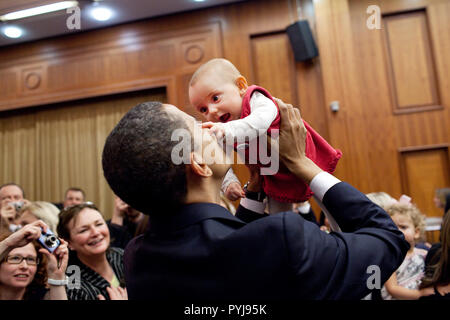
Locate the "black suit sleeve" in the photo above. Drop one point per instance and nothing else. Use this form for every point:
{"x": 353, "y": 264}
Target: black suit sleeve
{"x": 338, "y": 265}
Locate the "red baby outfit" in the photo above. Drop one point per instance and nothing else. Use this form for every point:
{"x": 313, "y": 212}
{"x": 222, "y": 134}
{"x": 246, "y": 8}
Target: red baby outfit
{"x": 284, "y": 186}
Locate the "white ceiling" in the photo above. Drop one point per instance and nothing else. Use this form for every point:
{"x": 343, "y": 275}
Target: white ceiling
{"x": 54, "y": 24}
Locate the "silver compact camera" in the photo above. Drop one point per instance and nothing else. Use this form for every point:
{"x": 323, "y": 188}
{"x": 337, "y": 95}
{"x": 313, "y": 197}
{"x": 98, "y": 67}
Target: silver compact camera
{"x": 49, "y": 241}
{"x": 17, "y": 205}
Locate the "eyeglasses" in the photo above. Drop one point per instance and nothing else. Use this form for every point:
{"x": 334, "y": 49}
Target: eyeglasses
{"x": 18, "y": 260}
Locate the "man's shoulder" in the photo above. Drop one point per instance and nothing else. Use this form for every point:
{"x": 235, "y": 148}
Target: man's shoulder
{"x": 274, "y": 223}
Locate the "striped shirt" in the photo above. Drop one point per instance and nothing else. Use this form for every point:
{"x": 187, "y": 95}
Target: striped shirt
{"x": 93, "y": 284}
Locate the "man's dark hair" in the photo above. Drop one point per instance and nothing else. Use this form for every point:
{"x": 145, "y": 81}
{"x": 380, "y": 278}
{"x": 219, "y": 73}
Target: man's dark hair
{"x": 137, "y": 160}
{"x": 13, "y": 184}
{"x": 75, "y": 189}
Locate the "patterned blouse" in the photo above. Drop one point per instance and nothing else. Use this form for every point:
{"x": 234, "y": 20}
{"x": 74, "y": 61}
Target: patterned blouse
{"x": 91, "y": 283}
{"x": 410, "y": 272}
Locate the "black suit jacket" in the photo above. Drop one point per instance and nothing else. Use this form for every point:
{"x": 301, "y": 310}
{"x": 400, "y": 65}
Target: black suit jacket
{"x": 203, "y": 252}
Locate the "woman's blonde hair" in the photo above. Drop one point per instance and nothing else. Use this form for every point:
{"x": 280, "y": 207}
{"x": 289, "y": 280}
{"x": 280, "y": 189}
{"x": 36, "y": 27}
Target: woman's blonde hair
{"x": 381, "y": 198}
{"x": 410, "y": 210}
{"x": 44, "y": 211}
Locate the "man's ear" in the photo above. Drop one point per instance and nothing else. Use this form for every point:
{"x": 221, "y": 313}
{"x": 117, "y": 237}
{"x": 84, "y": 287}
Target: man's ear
{"x": 199, "y": 167}
{"x": 242, "y": 85}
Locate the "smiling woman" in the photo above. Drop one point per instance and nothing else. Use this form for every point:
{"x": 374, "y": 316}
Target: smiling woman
{"x": 102, "y": 275}
{"x": 22, "y": 273}
{"x": 27, "y": 271}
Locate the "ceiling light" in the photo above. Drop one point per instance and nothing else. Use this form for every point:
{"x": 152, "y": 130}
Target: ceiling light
{"x": 12, "y": 32}
{"x": 101, "y": 13}
{"x": 38, "y": 10}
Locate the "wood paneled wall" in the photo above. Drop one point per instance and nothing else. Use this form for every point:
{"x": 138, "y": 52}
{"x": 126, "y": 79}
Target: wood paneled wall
{"x": 393, "y": 86}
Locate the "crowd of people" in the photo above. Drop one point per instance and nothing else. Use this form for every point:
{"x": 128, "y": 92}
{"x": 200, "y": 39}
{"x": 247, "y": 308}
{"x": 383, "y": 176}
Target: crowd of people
{"x": 174, "y": 233}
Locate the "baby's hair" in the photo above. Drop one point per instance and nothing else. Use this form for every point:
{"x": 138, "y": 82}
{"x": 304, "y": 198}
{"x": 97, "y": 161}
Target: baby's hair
{"x": 381, "y": 198}
{"x": 410, "y": 210}
{"x": 218, "y": 66}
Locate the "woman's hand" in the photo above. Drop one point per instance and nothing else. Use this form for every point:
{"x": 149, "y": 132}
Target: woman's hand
{"x": 115, "y": 294}
{"x": 25, "y": 235}
{"x": 57, "y": 261}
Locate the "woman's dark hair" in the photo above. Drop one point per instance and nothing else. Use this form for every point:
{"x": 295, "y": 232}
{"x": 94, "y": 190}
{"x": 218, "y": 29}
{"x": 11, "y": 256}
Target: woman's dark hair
{"x": 66, "y": 215}
{"x": 40, "y": 278}
{"x": 438, "y": 273}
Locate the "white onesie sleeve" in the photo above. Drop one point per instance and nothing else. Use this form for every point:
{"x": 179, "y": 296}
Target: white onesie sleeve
{"x": 263, "y": 112}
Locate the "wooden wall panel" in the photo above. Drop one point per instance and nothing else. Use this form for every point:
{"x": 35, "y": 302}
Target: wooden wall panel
{"x": 340, "y": 71}
{"x": 355, "y": 69}
{"x": 410, "y": 62}
{"x": 273, "y": 65}
{"x": 424, "y": 171}
{"x": 8, "y": 84}
{"x": 110, "y": 66}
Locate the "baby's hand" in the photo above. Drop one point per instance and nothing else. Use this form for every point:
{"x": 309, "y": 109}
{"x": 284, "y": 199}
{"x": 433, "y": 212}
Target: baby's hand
{"x": 218, "y": 129}
{"x": 234, "y": 191}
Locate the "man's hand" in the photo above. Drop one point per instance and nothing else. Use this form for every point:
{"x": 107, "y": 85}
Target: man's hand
{"x": 234, "y": 191}
{"x": 120, "y": 208}
{"x": 8, "y": 212}
{"x": 293, "y": 143}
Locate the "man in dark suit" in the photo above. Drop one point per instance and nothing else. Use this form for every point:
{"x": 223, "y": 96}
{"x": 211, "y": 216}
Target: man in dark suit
{"x": 195, "y": 249}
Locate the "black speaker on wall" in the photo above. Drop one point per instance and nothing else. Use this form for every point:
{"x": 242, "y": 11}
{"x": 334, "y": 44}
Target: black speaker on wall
{"x": 302, "y": 41}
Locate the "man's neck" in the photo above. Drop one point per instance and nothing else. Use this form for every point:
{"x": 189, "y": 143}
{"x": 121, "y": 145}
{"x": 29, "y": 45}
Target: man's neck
{"x": 203, "y": 190}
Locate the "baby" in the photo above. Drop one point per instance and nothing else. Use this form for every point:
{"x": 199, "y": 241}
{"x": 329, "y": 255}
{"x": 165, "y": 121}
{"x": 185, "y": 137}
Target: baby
{"x": 404, "y": 283}
{"x": 235, "y": 110}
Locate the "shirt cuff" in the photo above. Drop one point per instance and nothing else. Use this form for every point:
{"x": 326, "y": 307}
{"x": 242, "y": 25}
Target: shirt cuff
{"x": 253, "y": 205}
{"x": 304, "y": 209}
{"x": 321, "y": 183}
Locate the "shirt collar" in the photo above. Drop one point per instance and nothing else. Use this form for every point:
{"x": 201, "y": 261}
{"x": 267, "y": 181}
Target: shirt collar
{"x": 191, "y": 214}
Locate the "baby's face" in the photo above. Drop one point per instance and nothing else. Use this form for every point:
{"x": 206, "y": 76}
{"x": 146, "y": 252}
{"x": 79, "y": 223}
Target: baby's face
{"x": 218, "y": 100}
{"x": 406, "y": 225}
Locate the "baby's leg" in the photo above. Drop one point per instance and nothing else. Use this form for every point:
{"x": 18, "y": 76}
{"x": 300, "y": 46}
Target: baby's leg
{"x": 275, "y": 206}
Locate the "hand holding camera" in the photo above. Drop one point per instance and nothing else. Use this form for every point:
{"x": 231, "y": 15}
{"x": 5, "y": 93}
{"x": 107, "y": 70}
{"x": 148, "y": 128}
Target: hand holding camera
{"x": 57, "y": 257}
{"x": 25, "y": 235}
{"x": 10, "y": 209}
{"x": 48, "y": 240}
